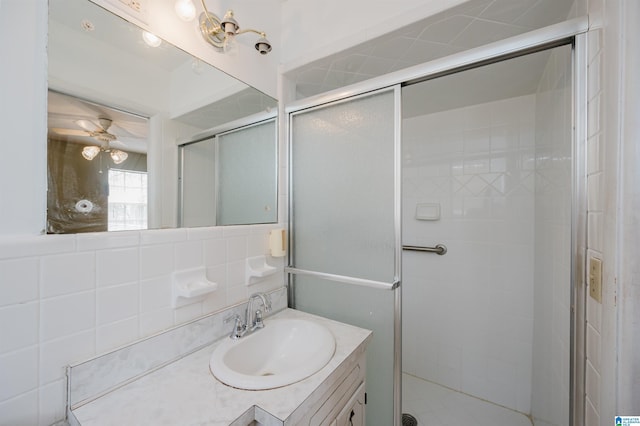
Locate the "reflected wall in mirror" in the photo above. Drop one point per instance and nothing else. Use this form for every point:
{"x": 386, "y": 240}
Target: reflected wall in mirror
{"x": 227, "y": 177}
{"x": 111, "y": 90}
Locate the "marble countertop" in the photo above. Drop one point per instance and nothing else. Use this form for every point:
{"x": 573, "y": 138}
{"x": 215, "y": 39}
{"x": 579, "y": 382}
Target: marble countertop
{"x": 186, "y": 393}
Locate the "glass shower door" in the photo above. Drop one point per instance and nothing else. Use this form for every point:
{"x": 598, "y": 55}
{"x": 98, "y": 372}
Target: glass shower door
{"x": 345, "y": 227}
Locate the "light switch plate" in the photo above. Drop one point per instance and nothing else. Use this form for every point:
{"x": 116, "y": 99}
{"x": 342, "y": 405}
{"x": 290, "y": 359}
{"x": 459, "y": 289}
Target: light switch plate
{"x": 595, "y": 278}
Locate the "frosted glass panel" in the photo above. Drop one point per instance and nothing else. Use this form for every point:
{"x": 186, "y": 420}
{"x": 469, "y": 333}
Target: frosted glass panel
{"x": 198, "y": 184}
{"x": 247, "y": 178}
{"x": 363, "y": 307}
{"x": 343, "y": 188}
{"x": 343, "y": 183}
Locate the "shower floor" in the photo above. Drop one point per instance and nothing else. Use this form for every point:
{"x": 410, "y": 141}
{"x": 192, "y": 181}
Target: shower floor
{"x": 435, "y": 405}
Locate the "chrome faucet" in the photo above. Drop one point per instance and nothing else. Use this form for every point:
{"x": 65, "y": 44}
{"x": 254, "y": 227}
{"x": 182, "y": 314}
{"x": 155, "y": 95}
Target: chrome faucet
{"x": 252, "y": 319}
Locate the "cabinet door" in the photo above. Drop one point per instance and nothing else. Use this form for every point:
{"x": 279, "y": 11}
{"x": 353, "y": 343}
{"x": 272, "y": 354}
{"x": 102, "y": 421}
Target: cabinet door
{"x": 353, "y": 412}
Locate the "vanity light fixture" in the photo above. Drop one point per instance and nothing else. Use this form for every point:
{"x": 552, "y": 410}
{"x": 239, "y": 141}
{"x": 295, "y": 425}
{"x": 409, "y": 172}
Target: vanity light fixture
{"x": 220, "y": 33}
{"x": 186, "y": 10}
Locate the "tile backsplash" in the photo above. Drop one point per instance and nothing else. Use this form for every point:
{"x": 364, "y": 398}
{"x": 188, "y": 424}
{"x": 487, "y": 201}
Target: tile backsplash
{"x": 67, "y": 298}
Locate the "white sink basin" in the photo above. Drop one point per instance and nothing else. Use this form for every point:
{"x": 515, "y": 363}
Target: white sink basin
{"x": 285, "y": 351}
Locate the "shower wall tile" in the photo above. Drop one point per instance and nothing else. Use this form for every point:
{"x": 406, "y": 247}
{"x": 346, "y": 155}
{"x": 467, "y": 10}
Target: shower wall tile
{"x": 68, "y": 298}
{"x": 595, "y": 220}
{"x": 551, "y": 292}
{"x": 470, "y": 162}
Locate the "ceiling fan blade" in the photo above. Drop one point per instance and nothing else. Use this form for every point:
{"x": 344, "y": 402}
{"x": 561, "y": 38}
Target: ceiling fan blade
{"x": 88, "y": 125}
{"x": 70, "y": 132}
{"x": 129, "y": 129}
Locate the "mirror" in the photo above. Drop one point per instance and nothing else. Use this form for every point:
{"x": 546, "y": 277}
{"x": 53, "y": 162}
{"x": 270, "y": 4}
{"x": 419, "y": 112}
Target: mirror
{"x": 237, "y": 163}
{"x": 117, "y": 111}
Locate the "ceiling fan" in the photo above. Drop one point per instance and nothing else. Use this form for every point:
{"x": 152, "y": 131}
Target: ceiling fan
{"x": 99, "y": 131}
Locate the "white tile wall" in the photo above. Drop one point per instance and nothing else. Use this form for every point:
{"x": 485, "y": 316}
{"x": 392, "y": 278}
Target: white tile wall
{"x": 468, "y": 315}
{"x": 595, "y": 222}
{"x": 552, "y": 291}
{"x": 68, "y": 298}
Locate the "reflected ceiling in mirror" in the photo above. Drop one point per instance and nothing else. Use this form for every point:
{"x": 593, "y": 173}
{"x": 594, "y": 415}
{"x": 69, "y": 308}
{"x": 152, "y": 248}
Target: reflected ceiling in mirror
{"x": 111, "y": 89}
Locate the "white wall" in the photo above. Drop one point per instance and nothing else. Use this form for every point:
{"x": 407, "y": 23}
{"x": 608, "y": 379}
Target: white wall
{"x": 23, "y": 116}
{"x": 613, "y": 382}
{"x": 62, "y": 298}
{"x": 468, "y": 315}
{"x": 66, "y": 298}
{"x": 160, "y": 18}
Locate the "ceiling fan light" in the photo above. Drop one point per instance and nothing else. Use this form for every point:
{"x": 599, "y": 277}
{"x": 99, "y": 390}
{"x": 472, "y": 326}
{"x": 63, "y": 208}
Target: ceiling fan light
{"x": 118, "y": 156}
{"x": 90, "y": 152}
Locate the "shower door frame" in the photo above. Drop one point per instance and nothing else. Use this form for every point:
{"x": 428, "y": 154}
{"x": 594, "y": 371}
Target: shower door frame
{"x": 571, "y": 32}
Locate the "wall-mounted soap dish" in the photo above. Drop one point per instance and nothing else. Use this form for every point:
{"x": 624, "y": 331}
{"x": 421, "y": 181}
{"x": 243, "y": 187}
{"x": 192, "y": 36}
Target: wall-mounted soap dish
{"x": 190, "y": 286}
{"x": 257, "y": 268}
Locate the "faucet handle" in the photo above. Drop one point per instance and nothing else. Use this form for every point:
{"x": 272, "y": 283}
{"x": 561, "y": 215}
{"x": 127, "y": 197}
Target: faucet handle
{"x": 257, "y": 322}
{"x": 238, "y": 328}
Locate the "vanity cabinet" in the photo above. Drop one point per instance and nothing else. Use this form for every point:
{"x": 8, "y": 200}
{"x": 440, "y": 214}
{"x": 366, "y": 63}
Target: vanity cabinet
{"x": 333, "y": 396}
{"x": 344, "y": 397}
{"x": 353, "y": 413}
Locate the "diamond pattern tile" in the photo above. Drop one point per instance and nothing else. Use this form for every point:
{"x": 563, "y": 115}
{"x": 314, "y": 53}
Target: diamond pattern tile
{"x": 471, "y": 24}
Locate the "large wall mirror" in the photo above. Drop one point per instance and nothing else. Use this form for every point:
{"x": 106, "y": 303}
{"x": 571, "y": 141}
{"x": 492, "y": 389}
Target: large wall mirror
{"x": 120, "y": 104}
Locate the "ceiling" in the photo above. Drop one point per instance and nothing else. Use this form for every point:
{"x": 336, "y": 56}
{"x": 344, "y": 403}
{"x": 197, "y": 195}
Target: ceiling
{"x": 107, "y": 28}
{"x": 65, "y": 112}
{"x": 471, "y": 24}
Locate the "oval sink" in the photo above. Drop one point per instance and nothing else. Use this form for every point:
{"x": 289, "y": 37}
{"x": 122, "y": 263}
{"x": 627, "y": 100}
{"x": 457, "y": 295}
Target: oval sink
{"x": 285, "y": 351}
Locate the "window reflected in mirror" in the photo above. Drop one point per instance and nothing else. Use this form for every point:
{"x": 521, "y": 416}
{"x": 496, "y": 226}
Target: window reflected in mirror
{"x": 90, "y": 147}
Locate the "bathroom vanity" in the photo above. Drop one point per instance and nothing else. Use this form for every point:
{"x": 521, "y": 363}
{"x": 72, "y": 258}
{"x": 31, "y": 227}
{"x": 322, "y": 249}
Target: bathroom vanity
{"x": 185, "y": 392}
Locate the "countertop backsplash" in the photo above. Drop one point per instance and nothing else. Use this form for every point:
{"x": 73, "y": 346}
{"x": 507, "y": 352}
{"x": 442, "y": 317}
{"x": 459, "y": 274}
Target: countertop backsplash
{"x": 97, "y": 376}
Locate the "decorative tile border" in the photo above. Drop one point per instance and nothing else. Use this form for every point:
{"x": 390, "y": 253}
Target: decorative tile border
{"x": 92, "y": 378}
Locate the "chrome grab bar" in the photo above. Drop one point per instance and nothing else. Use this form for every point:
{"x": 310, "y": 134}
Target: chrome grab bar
{"x": 439, "y": 249}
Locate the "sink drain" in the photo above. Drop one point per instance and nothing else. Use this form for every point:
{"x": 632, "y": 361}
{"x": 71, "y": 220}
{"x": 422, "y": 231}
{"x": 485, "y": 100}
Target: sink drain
{"x": 409, "y": 420}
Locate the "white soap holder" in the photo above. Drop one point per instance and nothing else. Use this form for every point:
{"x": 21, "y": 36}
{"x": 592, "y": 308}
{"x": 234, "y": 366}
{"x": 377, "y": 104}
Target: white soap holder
{"x": 428, "y": 211}
{"x": 190, "y": 286}
{"x": 257, "y": 268}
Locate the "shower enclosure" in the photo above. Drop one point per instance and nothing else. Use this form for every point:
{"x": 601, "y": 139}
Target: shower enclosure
{"x": 479, "y": 153}
{"x": 487, "y": 171}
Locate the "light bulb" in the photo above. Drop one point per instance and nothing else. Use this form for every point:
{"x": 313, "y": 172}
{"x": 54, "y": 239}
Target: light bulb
{"x": 185, "y": 10}
{"x": 151, "y": 39}
{"x": 90, "y": 152}
{"x": 118, "y": 156}
{"x": 230, "y": 45}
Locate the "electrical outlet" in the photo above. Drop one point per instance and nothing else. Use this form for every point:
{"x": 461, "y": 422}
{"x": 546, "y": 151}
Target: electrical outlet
{"x": 595, "y": 278}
